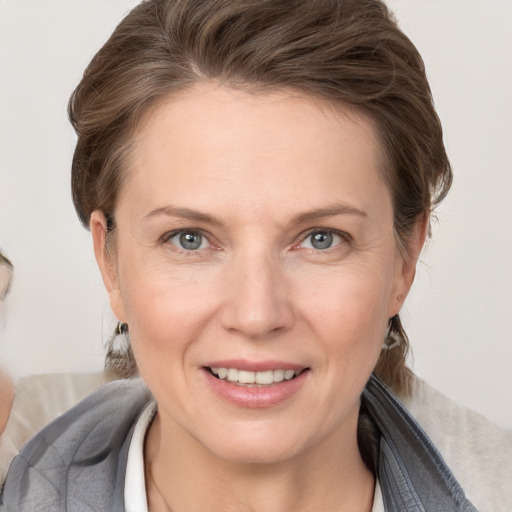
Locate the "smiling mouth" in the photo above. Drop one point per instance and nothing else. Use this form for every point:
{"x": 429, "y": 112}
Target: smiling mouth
{"x": 254, "y": 379}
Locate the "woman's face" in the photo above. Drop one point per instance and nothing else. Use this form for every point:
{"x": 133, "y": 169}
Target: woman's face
{"x": 254, "y": 243}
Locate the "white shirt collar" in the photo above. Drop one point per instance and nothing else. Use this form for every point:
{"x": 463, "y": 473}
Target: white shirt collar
{"x": 135, "y": 483}
{"x": 135, "y": 498}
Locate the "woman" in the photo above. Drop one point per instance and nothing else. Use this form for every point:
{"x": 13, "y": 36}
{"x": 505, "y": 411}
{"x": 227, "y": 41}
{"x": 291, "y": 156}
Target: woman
{"x": 258, "y": 179}
{"x": 6, "y": 391}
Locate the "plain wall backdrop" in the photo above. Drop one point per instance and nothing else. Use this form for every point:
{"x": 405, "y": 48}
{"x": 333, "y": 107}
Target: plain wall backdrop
{"x": 459, "y": 314}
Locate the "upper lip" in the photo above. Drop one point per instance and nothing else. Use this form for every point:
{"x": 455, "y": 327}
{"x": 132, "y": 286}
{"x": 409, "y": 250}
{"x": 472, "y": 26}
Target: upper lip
{"x": 255, "y": 366}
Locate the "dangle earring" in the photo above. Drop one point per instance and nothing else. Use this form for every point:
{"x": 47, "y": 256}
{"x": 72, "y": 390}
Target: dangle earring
{"x": 119, "y": 340}
{"x": 121, "y": 329}
{"x": 120, "y": 361}
{"x": 391, "y": 340}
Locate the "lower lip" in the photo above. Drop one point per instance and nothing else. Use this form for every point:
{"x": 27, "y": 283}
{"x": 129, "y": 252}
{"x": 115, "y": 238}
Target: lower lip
{"x": 256, "y": 397}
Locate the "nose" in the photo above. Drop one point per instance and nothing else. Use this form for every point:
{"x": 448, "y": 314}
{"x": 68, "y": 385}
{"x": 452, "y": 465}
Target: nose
{"x": 258, "y": 301}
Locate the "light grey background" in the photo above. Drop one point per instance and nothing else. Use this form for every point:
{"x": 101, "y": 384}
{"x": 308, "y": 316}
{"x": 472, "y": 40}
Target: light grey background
{"x": 459, "y": 312}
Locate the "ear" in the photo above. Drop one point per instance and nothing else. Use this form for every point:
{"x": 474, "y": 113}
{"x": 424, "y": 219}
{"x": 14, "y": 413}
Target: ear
{"x": 106, "y": 263}
{"x": 406, "y": 264}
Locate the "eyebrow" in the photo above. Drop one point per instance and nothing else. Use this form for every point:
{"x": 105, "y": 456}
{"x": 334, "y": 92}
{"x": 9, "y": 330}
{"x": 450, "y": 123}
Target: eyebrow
{"x": 185, "y": 213}
{"x": 300, "y": 218}
{"x": 330, "y": 211}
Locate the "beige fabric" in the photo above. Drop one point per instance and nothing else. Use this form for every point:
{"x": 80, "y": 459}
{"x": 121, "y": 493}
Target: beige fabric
{"x": 478, "y": 452}
{"x": 38, "y": 400}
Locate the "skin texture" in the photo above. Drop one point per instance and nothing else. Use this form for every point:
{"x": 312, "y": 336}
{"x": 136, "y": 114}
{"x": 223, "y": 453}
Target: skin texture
{"x": 255, "y": 174}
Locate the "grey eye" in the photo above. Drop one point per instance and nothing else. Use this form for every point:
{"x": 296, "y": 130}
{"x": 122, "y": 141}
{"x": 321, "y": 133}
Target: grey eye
{"x": 189, "y": 240}
{"x": 321, "y": 240}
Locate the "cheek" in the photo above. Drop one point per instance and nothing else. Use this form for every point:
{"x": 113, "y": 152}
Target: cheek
{"x": 165, "y": 309}
{"x": 349, "y": 312}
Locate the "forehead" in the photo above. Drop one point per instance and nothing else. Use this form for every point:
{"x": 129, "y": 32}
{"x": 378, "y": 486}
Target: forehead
{"x": 240, "y": 112}
{"x": 262, "y": 147}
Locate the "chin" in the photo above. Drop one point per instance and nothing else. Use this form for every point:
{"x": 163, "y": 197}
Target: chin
{"x": 270, "y": 447}
{"x": 256, "y": 454}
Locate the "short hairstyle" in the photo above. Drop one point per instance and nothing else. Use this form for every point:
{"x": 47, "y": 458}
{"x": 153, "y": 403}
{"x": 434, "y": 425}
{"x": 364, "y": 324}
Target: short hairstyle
{"x": 348, "y": 52}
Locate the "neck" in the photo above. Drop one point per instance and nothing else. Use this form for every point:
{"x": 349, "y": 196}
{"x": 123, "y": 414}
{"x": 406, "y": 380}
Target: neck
{"x": 182, "y": 475}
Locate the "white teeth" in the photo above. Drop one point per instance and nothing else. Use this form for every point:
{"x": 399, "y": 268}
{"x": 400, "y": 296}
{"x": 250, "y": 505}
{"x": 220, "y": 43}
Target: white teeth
{"x": 245, "y": 377}
{"x": 278, "y": 375}
{"x": 288, "y": 374}
{"x": 265, "y": 377}
{"x": 232, "y": 374}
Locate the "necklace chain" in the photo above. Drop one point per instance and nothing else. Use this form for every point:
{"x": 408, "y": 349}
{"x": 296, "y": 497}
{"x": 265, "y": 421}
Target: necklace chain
{"x": 155, "y": 485}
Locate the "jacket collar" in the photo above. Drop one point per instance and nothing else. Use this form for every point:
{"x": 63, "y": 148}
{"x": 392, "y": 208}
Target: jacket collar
{"x": 412, "y": 474}
{"x": 78, "y": 462}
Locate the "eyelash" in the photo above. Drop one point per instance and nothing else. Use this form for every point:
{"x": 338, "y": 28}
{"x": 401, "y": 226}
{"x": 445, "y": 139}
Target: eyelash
{"x": 166, "y": 239}
{"x": 344, "y": 237}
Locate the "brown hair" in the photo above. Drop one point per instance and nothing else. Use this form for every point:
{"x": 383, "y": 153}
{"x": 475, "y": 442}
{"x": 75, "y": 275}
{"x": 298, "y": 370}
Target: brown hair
{"x": 348, "y": 52}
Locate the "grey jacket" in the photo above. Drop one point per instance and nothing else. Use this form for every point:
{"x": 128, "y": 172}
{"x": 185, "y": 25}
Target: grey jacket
{"x": 78, "y": 462}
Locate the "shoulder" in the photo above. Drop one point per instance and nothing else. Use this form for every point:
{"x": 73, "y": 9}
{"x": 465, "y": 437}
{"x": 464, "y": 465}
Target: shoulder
{"x": 76, "y": 460}
{"x": 41, "y": 398}
{"x": 38, "y": 400}
{"x": 478, "y": 452}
